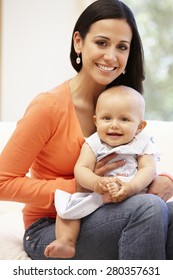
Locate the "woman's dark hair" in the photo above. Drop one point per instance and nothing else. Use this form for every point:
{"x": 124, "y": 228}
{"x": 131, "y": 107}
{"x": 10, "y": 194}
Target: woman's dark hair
{"x": 114, "y": 9}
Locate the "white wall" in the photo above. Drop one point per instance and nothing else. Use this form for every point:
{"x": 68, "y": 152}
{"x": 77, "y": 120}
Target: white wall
{"x": 36, "y": 39}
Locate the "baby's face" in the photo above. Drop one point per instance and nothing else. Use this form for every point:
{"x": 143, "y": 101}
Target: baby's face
{"x": 117, "y": 119}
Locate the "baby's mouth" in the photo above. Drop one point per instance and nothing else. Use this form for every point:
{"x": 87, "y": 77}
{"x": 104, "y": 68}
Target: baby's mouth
{"x": 114, "y": 134}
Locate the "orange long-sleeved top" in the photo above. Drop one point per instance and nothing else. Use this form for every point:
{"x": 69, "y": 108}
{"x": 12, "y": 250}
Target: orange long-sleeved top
{"x": 46, "y": 141}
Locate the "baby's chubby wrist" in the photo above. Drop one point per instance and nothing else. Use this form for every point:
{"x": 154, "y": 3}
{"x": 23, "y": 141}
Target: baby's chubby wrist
{"x": 100, "y": 185}
{"x": 96, "y": 185}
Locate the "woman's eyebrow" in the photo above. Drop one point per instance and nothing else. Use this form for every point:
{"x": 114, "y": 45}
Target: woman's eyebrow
{"x": 107, "y": 38}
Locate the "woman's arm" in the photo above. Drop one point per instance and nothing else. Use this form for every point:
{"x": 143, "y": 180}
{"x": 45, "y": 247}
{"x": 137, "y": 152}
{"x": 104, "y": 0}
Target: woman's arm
{"x": 33, "y": 132}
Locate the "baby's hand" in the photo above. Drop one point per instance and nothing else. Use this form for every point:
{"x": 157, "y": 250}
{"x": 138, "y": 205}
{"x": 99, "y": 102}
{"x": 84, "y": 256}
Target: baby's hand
{"x": 113, "y": 188}
{"x": 101, "y": 186}
{"x": 125, "y": 191}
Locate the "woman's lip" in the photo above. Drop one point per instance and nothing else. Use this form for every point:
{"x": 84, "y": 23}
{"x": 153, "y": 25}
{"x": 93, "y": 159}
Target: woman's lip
{"x": 105, "y": 67}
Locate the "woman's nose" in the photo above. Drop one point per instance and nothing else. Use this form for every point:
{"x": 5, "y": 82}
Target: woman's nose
{"x": 110, "y": 55}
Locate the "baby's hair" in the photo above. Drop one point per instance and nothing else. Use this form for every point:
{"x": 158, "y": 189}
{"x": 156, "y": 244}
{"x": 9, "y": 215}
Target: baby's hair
{"x": 126, "y": 92}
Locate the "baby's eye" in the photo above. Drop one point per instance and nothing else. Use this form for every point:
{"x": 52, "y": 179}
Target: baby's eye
{"x": 106, "y": 118}
{"x": 124, "y": 119}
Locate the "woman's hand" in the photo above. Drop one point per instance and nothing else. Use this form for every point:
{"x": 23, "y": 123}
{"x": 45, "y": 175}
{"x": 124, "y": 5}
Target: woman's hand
{"x": 79, "y": 188}
{"x": 102, "y": 166}
{"x": 162, "y": 186}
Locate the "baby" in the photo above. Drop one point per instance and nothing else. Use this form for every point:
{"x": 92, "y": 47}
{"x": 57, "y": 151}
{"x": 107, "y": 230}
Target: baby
{"x": 119, "y": 119}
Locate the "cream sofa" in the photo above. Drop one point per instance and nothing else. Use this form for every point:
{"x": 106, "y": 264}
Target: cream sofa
{"x": 11, "y": 224}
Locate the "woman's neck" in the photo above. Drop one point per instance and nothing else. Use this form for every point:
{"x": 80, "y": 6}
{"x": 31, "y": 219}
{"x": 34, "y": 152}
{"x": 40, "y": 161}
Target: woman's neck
{"x": 84, "y": 96}
{"x": 86, "y": 90}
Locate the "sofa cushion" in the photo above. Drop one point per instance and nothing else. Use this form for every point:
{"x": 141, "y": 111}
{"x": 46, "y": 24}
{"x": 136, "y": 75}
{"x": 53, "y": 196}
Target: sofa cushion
{"x": 11, "y": 231}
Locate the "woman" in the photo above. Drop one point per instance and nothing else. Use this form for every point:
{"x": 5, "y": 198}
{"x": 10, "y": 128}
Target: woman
{"x": 106, "y": 50}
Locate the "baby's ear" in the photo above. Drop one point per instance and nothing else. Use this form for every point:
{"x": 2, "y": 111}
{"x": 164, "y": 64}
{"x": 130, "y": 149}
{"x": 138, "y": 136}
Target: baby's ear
{"x": 95, "y": 120}
{"x": 141, "y": 126}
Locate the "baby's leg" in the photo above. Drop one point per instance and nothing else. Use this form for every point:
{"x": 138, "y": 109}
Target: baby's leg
{"x": 66, "y": 235}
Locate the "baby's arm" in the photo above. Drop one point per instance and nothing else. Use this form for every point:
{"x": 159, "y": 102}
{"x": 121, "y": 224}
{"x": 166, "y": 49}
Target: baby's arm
{"x": 145, "y": 175}
{"x": 84, "y": 172}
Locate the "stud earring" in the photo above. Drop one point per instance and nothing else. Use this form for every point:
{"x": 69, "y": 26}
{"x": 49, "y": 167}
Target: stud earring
{"x": 124, "y": 72}
{"x": 78, "y": 60}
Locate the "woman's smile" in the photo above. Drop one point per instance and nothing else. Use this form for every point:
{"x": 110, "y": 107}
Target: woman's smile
{"x": 106, "y": 68}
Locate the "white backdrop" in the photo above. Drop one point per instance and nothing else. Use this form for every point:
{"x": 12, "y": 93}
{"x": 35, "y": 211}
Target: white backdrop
{"x": 36, "y": 39}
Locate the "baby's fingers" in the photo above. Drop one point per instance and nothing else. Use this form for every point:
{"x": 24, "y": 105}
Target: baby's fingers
{"x": 113, "y": 188}
{"x": 102, "y": 188}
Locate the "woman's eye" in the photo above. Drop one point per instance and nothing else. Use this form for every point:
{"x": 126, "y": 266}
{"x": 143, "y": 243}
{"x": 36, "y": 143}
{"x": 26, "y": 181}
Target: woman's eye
{"x": 123, "y": 47}
{"x": 101, "y": 43}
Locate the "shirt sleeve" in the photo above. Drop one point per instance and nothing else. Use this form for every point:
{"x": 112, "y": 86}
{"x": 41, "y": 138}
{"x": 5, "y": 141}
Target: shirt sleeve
{"x": 31, "y": 134}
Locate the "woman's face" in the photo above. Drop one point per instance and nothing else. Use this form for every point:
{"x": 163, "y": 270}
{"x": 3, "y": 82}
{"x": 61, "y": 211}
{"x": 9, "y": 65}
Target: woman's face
{"x": 105, "y": 50}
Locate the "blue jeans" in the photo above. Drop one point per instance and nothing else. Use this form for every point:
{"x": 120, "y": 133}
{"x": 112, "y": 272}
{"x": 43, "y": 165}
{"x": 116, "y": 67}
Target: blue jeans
{"x": 169, "y": 245}
{"x": 135, "y": 229}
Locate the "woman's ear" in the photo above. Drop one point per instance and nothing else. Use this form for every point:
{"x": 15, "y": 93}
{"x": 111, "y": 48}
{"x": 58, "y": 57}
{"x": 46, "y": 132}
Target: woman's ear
{"x": 141, "y": 126}
{"x": 77, "y": 41}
